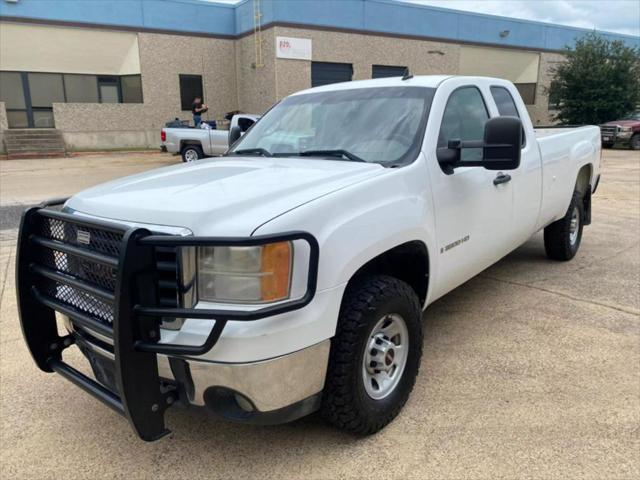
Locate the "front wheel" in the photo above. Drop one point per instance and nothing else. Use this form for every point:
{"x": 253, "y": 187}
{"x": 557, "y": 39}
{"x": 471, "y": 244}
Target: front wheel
{"x": 607, "y": 145}
{"x": 192, "y": 153}
{"x": 375, "y": 355}
{"x": 635, "y": 142}
{"x": 562, "y": 238}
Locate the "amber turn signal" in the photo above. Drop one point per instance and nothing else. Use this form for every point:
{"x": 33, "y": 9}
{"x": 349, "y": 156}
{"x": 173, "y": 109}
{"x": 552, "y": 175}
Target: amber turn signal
{"x": 276, "y": 271}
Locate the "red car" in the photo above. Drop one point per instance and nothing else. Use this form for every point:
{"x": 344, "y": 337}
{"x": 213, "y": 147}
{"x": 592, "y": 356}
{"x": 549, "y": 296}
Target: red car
{"x": 625, "y": 130}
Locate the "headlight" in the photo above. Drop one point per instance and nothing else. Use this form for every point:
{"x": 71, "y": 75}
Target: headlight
{"x": 245, "y": 274}
{"x": 625, "y": 129}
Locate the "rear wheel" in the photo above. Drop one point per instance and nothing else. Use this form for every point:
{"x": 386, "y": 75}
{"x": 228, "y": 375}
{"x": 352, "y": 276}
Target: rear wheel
{"x": 375, "y": 355}
{"x": 635, "y": 142}
{"x": 562, "y": 238}
{"x": 192, "y": 153}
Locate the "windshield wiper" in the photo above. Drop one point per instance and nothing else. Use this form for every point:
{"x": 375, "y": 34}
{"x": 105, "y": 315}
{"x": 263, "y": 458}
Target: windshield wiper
{"x": 331, "y": 153}
{"x": 252, "y": 151}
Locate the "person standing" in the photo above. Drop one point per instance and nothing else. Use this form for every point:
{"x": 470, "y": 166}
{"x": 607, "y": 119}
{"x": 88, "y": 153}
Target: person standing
{"x": 198, "y": 109}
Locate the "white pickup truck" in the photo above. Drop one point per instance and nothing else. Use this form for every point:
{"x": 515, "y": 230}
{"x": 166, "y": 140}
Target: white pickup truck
{"x": 290, "y": 275}
{"x": 198, "y": 143}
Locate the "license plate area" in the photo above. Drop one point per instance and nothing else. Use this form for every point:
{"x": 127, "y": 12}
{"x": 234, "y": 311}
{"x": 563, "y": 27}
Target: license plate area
{"x": 103, "y": 369}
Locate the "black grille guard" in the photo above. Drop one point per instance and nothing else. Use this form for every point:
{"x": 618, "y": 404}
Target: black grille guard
{"x": 142, "y": 397}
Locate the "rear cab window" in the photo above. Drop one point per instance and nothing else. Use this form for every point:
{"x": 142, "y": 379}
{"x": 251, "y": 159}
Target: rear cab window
{"x": 506, "y": 106}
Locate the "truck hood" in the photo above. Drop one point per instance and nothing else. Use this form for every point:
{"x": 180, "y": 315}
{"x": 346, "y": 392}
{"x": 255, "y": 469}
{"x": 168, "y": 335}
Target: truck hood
{"x": 220, "y": 196}
{"x": 624, "y": 123}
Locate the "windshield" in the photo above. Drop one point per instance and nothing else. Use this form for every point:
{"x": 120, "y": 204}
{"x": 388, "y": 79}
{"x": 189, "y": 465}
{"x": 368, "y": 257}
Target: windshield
{"x": 382, "y": 125}
{"x": 632, "y": 116}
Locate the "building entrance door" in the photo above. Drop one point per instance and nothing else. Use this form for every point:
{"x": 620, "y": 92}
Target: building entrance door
{"x": 29, "y": 98}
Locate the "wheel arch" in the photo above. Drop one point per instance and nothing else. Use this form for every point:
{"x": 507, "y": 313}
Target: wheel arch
{"x": 583, "y": 178}
{"x": 408, "y": 262}
{"x": 584, "y": 185}
{"x": 187, "y": 143}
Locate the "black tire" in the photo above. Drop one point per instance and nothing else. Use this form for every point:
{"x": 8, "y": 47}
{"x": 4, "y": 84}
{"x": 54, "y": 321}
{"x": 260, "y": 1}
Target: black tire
{"x": 191, "y": 153}
{"x": 557, "y": 237}
{"x": 607, "y": 145}
{"x": 345, "y": 402}
{"x": 635, "y": 142}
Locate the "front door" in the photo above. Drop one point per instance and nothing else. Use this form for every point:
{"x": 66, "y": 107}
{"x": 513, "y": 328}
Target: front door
{"x": 473, "y": 215}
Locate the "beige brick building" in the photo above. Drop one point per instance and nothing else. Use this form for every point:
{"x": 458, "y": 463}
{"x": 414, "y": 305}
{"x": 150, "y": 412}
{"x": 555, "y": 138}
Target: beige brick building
{"x": 112, "y": 80}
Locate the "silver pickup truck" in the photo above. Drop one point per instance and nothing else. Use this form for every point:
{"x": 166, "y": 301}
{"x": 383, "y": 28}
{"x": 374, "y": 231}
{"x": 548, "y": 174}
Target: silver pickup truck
{"x": 196, "y": 143}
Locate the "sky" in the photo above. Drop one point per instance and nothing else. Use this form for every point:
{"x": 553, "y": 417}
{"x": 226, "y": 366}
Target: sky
{"x": 621, "y": 16}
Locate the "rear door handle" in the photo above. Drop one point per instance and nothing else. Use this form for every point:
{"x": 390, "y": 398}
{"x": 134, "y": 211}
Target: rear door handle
{"x": 501, "y": 178}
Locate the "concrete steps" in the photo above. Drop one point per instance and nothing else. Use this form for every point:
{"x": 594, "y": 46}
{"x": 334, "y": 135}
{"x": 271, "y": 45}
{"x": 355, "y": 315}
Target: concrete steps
{"x": 34, "y": 143}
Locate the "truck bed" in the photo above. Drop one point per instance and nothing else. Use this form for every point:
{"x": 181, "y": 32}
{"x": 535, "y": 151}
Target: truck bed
{"x": 551, "y": 130}
{"x": 562, "y": 150}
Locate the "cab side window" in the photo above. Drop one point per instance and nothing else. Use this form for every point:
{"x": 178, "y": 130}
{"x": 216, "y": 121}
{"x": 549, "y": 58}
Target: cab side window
{"x": 504, "y": 102}
{"x": 245, "y": 123}
{"x": 506, "y": 105}
{"x": 464, "y": 118}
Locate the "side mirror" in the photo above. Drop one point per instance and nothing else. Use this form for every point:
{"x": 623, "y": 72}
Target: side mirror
{"x": 500, "y": 147}
{"x": 234, "y": 134}
{"x": 502, "y": 143}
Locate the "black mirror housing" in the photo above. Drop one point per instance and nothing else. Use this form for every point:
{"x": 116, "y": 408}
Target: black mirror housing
{"x": 234, "y": 134}
{"x": 500, "y": 147}
{"x": 502, "y": 143}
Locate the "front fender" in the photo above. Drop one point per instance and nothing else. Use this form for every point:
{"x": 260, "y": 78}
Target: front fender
{"x": 358, "y": 223}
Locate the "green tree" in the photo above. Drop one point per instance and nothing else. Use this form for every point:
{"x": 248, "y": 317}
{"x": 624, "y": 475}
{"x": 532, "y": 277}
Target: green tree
{"x": 598, "y": 82}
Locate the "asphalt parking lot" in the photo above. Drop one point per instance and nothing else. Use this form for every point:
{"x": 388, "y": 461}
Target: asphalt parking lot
{"x": 530, "y": 370}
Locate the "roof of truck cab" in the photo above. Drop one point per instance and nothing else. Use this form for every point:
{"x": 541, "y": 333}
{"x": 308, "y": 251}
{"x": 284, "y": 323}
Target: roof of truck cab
{"x": 430, "y": 81}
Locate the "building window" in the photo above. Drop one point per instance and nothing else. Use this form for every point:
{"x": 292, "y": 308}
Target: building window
{"x": 12, "y": 94}
{"x": 81, "y": 88}
{"x": 103, "y": 89}
{"x": 527, "y": 92}
{"x": 17, "y": 119}
{"x": 131, "y": 88}
{"x": 386, "y": 71}
{"x": 109, "y": 90}
{"x": 190, "y": 88}
{"x": 325, "y": 73}
{"x": 554, "y": 96}
{"x": 11, "y": 90}
{"x": 29, "y": 97}
{"x": 46, "y": 89}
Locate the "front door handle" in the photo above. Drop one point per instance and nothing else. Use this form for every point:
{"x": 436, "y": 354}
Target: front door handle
{"x": 502, "y": 178}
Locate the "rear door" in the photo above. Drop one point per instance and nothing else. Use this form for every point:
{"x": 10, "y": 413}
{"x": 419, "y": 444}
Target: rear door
{"x": 219, "y": 141}
{"x": 526, "y": 180}
{"x": 473, "y": 216}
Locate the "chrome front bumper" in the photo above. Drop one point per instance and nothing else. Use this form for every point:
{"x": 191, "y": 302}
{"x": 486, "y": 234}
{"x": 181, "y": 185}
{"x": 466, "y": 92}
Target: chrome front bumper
{"x": 624, "y": 135}
{"x": 615, "y": 134}
{"x": 257, "y": 387}
{"x": 268, "y": 385}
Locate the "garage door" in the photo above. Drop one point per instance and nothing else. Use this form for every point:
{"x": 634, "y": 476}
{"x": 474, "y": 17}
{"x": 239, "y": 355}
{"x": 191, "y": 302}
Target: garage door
{"x": 384, "y": 71}
{"x": 324, "y": 73}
